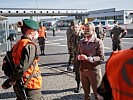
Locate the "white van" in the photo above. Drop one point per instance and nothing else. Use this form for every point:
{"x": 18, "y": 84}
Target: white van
{"x": 106, "y": 24}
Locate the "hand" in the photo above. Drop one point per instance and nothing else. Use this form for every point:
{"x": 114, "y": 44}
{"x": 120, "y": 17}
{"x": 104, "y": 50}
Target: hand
{"x": 82, "y": 57}
{"x": 6, "y": 84}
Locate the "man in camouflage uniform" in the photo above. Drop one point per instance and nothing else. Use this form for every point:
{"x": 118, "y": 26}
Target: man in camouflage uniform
{"x": 117, "y": 33}
{"x": 69, "y": 32}
{"x": 100, "y": 31}
{"x": 73, "y": 43}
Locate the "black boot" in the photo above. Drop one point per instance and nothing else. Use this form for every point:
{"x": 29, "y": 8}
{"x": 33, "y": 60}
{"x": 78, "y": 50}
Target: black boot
{"x": 77, "y": 90}
{"x": 43, "y": 52}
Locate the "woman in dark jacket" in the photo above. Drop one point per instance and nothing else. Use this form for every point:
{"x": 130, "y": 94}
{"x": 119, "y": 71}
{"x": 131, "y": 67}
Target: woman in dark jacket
{"x": 91, "y": 52}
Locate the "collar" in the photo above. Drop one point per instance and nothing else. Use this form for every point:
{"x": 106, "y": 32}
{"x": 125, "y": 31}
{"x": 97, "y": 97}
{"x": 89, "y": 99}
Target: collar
{"x": 92, "y": 39}
{"x": 25, "y": 37}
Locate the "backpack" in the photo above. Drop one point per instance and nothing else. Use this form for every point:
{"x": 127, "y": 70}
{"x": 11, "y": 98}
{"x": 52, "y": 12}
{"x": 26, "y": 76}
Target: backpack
{"x": 8, "y": 64}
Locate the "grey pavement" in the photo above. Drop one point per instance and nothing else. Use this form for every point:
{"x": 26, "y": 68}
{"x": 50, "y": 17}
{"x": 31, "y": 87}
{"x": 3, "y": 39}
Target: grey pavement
{"x": 57, "y": 85}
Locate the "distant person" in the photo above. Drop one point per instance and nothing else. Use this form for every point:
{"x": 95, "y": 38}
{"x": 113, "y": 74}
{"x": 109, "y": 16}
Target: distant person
{"x": 25, "y": 64}
{"x": 69, "y": 32}
{"x": 117, "y": 33}
{"x": 119, "y": 69}
{"x": 91, "y": 53}
{"x": 100, "y": 31}
{"x": 53, "y": 29}
{"x": 42, "y": 37}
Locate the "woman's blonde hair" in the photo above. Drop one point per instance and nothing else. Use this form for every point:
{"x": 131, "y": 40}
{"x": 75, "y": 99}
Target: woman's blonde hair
{"x": 89, "y": 27}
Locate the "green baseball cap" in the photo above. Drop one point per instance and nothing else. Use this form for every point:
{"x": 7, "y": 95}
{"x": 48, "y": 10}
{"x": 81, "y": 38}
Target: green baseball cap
{"x": 31, "y": 23}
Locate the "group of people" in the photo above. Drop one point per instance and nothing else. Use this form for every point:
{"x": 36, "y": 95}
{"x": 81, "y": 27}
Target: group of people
{"x": 86, "y": 50}
{"x": 86, "y": 53}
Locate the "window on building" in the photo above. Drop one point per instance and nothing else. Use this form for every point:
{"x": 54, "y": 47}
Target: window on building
{"x": 109, "y": 18}
{"x": 120, "y": 17}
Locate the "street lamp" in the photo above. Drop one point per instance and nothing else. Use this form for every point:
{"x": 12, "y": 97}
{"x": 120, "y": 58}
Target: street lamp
{"x": 37, "y": 4}
{"x": 37, "y": 8}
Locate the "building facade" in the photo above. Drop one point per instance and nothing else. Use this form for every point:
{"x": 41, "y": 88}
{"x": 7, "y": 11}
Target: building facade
{"x": 122, "y": 16}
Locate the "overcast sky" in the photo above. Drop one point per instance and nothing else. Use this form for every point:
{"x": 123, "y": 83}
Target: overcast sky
{"x": 68, "y": 4}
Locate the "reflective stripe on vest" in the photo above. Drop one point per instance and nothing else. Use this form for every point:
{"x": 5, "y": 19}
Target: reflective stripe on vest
{"x": 119, "y": 69}
{"x": 35, "y": 82}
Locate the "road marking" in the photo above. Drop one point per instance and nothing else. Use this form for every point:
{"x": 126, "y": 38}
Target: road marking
{"x": 56, "y": 36}
{"x": 57, "y": 40}
{"x": 127, "y": 42}
{"x": 107, "y": 48}
{"x": 53, "y": 44}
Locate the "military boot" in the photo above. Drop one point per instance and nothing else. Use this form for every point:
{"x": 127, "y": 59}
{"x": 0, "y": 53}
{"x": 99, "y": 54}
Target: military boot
{"x": 77, "y": 90}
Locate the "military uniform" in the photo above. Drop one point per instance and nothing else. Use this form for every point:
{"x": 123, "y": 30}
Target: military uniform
{"x": 116, "y": 34}
{"x": 69, "y": 32}
{"x": 25, "y": 65}
{"x": 73, "y": 43}
{"x": 100, "y": 32}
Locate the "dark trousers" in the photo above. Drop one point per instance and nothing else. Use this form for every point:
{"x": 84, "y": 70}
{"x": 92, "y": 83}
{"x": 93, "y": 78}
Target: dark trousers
{"x": 117, "y": 45}
{"x": 70, "y": 61}
{"x": 53, "y": 32}
{"x": 41, "y": 41}
{"x": 76, "y": 69}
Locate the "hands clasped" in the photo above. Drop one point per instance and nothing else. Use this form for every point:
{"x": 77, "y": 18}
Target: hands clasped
{"x": 84, "y": 57}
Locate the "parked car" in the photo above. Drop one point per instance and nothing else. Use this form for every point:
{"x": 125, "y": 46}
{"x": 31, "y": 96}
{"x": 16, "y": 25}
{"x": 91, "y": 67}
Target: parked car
{"x": 106, "y": 24}
{"x": 11, "y": 36}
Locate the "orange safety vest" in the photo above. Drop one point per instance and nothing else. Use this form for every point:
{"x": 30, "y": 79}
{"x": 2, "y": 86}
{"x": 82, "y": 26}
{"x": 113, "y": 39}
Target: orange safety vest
{"x": 119, "y": 70}
{"x": 35, "y": 81}
{"x": 42, "y": 31}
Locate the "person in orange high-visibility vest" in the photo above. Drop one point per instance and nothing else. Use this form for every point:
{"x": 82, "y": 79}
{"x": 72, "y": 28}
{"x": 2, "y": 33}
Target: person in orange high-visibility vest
{"x": 119, "y": 70}
{"x": 25, "y": 59}
{"x": 42, "y": 37}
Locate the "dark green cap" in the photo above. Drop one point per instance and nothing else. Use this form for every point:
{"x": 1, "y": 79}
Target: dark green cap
{"x": 31, "y": 23}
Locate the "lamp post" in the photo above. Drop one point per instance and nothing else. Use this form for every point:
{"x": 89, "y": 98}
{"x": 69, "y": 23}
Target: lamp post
{"x": 37, "y": 8}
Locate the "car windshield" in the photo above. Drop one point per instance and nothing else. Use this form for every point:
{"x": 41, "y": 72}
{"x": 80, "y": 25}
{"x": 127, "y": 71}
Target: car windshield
{"x": 95, "y": 23}
{"x": 103, "y": 22}
{"x": 111, "y": 22}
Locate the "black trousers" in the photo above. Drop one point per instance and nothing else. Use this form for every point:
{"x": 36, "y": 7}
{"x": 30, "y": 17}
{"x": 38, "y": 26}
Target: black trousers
{"x": 41, "y": 41}
{"x": 76, "y": 68}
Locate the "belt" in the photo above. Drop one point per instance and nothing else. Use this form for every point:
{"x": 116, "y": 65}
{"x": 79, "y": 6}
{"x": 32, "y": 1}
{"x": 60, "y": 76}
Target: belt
{"x": 85, "y": 70}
